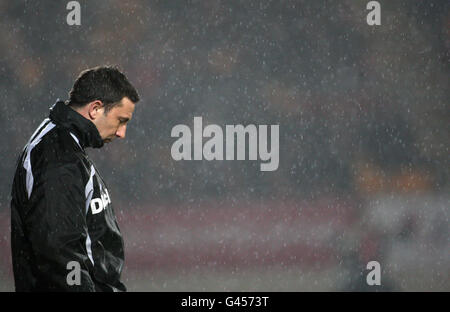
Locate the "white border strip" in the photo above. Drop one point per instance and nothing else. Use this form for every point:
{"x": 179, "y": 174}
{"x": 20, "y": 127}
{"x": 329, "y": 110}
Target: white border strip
{"x": 88, "y": 191}
{"x": 76, "y": 139}
{"x": 27, "y": 161}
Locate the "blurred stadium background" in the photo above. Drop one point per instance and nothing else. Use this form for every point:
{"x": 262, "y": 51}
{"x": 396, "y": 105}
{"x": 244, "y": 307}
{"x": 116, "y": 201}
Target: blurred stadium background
{"x": 364, "y": 137}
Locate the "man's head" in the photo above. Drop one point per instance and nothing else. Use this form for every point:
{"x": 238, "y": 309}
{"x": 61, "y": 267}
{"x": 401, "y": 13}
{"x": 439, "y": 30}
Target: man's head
{"x": 106, "y": 97}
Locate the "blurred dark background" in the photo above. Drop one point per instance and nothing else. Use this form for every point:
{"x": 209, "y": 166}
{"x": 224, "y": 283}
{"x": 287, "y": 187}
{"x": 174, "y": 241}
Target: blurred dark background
{"x": 364, "y": 136}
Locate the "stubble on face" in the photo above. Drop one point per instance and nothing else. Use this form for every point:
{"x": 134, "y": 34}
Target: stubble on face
{"x": 113, "y": 124}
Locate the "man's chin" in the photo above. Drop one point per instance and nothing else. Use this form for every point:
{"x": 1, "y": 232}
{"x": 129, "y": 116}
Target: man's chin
{"x": 107, "y": 140}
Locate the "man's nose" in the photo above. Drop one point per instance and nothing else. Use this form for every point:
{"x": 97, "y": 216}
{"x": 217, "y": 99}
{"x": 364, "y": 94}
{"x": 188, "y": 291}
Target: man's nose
{"x": 121, "y": 131}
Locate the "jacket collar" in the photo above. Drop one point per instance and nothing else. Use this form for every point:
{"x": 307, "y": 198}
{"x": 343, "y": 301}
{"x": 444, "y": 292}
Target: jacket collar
{"x": 82, "y": 128}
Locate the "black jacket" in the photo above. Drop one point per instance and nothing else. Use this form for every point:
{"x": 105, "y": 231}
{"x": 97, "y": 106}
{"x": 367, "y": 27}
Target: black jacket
{"x": 61, "y": 211}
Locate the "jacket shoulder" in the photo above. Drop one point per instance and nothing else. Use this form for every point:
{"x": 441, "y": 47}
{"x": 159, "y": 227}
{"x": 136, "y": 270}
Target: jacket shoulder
{"x": 58, "y": 148}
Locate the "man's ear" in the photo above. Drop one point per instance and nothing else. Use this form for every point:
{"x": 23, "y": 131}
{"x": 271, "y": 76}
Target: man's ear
{"x": 95, "y": 108}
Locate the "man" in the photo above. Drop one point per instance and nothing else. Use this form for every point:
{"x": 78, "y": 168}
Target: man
{"x": 64, "y": 233}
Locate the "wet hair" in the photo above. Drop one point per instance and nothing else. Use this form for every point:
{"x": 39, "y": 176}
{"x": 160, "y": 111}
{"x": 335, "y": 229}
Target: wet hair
{"x": 105, "y": 83}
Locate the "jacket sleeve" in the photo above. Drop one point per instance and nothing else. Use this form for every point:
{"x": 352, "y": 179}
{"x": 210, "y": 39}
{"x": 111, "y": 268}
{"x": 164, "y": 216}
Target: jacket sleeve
{"x": 57, "y": 229}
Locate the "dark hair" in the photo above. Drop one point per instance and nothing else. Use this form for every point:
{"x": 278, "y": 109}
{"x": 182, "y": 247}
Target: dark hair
{"x": 104, "y": 83}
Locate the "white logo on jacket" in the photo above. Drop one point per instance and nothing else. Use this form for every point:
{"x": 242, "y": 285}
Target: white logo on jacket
{"x": 98, "y": 204}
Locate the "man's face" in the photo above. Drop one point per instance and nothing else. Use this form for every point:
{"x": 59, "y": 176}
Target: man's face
{"x": 114, "y": 123}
